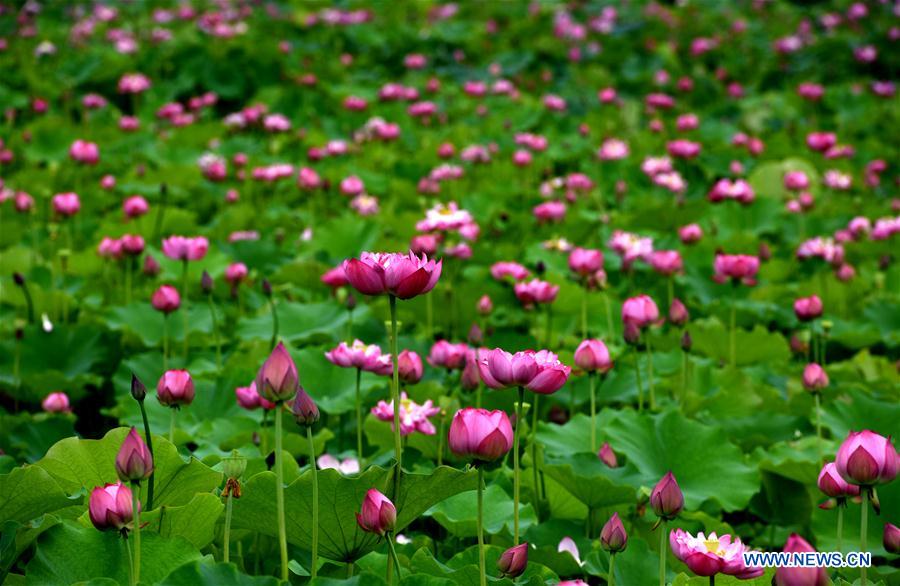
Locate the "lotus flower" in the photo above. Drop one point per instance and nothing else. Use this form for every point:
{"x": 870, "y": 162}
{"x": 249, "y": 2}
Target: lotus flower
{"x": 707, "y": 556}
{"x": 166, "y": 299}
{"x": 378, "y": 514}
{"x": 134, "y": 461}
{"x": 110, "y": 507}
{"x": 358, "y": 355}
{"x": 480, "y": 435}
{"x": 866, "y": 458}
{"x": 57, "y": 402}
{"x": 541, "y": 372}
{"x": 513, "y": 561}
{"x": 401, "y": 275}
{"x": 808, "y": 308}
{"x": 278, "y": 379}
{"x": 640, "y": 311}
{"x": 175, "y": 388}
{"x": 413, "y": 417}
{"x": 184, "y": 248}
{"x": 613, "y": 537}
{"x": 667, "y": 500}
{"x": 785, "y": 576}
{"x": 593, "y": 356}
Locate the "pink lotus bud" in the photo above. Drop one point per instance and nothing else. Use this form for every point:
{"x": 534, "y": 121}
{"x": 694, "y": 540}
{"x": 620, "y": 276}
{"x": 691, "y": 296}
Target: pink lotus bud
{"x": 789, "y": 576}
{"x": 175, "y": 388}
{"x": 666, "y": 262}
{"x": 832, "y": 484}
{"x": 135, "y": 206}
{"x": 631, "y": 333}
{"x": 235, "y": 273}
{"x": 891, "y": 539}
{"x": 583, "y": 261}
{"x": 513, "y": 561}
{"x": 110, "y": 507}
{"x": 667, "y": 499}
{"x": 378, "y": 514}
{"x": 57, "y": 402}
{"x": 690, "y": 234}
{"x": 814, "y": 377}
{"x": 593, "y": 356}
{"x": 151, "y": 268}
{"x": 304, "y": 408}
{"x": 485, "y": 305}
{"x": 640, "y": 311}
{"x": 678, "y": 313}
{"x": 132, "y": 244}
{"x": 66, "y": 204}
{"x": 278, "y": 379}
{"x": 808, "y": 308}
{"x": 165, "y": 299}
{"x": 86, "y": 153}
{"x": 410, "y": 367}
{"x": 134, "y": 461}
{"x": 867, "y": 458}
{"x": 480, "y": 435}
{"x": 613, "y": 537}
{"x": 470, "y": 378}
{"x": 608, "y": 456}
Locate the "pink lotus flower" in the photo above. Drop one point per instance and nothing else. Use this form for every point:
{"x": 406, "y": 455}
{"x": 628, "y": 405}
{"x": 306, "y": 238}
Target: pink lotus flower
{"x": 796, "y": 180}
{"x": 413, "y": 417}
{"x": 788, "y": 576}
{"x": 278, "y": 379}
{"x": 110, "y": 507}
{"x": 535, "y": 291}
{"x": 678, "y": 313}
{"x": 690, "y": 234}
{"x": 166, "y": 299}
{"x": 631, "y": 247}
{"x": 84, "y": 152}
{"x": 235, "y": 273}
{"x": 613, "y": 149}
{"x": 593, "y": 356}
{"x": 550, "y": 211}
{"x": 134, "y": 461}
{"x": 640, "y": 311}
{"x": 359, "y": 355}
{"x": 66, "y": 204}
{"x": 501, "y": 270}
{"x": 409, "y": 364}
{"x": 56, "y": 402}
{"x": 683, "y": 149}
{"x": 513, "y": 561}
{"x": 666, "y": 499}
{"x": 738, "y": 190}
{"x": 608, "y": 456}
{"x": 346, "y": 466}
{"x": 401, "y": 275}
{"x": 447, "y": 355}
{"x": 132, "y": 244}
{"x": 866, "y": 458}
{"x": 480, "y": 435}
{"x": 335, "y": 277}
{"x": 891, "y": 538}
{"x": 444, "y": 218}
{"x": 185, "y": 248}
{"x": 707, "y": 556}
{"x": 613, "y": 537}
{"x": 485, "y": 306}
{"x": 378, "y": 514}
{"x": 540, "y": 372}
{"x": 585, "y": 261}
{"x": 833, "y": 484}
{"x": 133, "y": 83}
{"x": 135, "y": 206}
{"x": 821, "y": 141}
{"x": 666, "y": 262}
{"x": 249, "y": 399}
{"x": 175, "y": 388}
{"x": 352, "y": 185}
{"x": 808, "y": 308}
{"x": 110, "y": 248}
{"x": 736, "y": 267}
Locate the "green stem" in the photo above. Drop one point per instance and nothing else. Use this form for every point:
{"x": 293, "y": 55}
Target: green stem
{"x": 349, "y": 570}
{"x": 481, "y": 562}
{"x": 662, "y": 553}
{"x": 136, "y": 513}
{"x": 609, "y": 320}
{"x": 215, "y": 324}
{"x": 818, "y": 426}
{"x": 274, "y": 322}
{"x": 684, "y": 360}
{"x": 150, "y": 448}
{"x": 640, "y": 386}
{"x": 592, "y": 380}
{"x": 549, "y": 330}
{"x": 315, "y": 505}
{"x": 840, "y": 527}
{"x": 184, "y": 308}
{"x": 516, "y": 436}
{"x": 429, "y": 318}
{"x": 128, "y": 269}
{"x": 534, "y": 454}
{"x": 612, "y": 570}
{"x": 390, "y": 541}
{"x": 671, "y": 287}
{"x": 731, "y": 338}
{"x": 863, "y": 528}
{"x": 359, "y": 420}
{"x": 395, "y": 397}
{"x": 584, "y": 319}
{"x": 264, "y": 434}
{"x": 226, "y": 546}
{"x": 650, "y": 373}
{"x": 279, "y": 494}
{"x": 172, "y": 425}
{"x": 712, "y": 580}
{"x": 128, "y": 549}
{"x": 165, "y": 341}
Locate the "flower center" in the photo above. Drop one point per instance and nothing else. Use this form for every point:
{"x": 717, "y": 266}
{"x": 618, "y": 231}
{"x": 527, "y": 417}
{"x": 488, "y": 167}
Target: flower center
{"x": 712, "y": 546}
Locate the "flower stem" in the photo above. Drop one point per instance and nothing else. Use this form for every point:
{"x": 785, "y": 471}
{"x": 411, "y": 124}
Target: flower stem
{"x": 592, "y": 379}
{"x": 128, "y": 549}
{"x": 662, "y": 553}
{"x": 359, "y": 421}
{"x": 315, "y": 505}
{"x": 172, "y": 425}
{"x": 840, "y": 527}
{"x": 274, "y": 322}
{"x": 609, "y": 322}
{"x": 149, "y": 447}
{"x": 818, "y": 426}
{"x": 863, "y": 529}
{"x": 184, "y": 308}
{"x": 584, "y": 319}
{"x": 612, "y": 570}
{"x": 165, "y": 341}
{"x": 279, "y": 494}
{"x": 395, "y": 397}
{"x": 534, "y": 454}
{"x": 731, "y": 338}
{"x": 136, "y": 513}
{"x": 549, "y": 330}
{"x": 516, "y": 433}
{"x": 481, "y": 563}
{"x": 215, "y": 324}
{"x": 640, "y": 386}
{"x": 390, "y": 541}
{"x": 227, "y": 541}
{"x": 650, "y": 374}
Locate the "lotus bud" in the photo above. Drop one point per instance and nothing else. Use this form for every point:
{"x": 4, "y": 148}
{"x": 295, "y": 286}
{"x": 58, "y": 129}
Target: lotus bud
{"x": 513, "y": 561}
{"x": 304, "y": 408}
{"x": 138, "y": 390}
{"x": 206, "y": 283}
{"x": 667, "y": 499}
{"x": 678, "y": 313}
{"x": 867, "y": 458}
{"x": 686, "y": 341}
{"x": 278, "y": 379}
{"x": 891, "y": 539}
{"x": 377, "y": 514}
{"x": 110, "y": 507}
{"x": 613, "y": 537}
{"x": 608, "y": 456}
{"x": 134, "y": 461}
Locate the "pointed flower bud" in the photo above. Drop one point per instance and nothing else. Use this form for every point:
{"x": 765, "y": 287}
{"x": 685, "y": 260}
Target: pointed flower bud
{"x": 833, "y": 484}
{"x": 593, "y": 356}
{"x": 513, "y": 561}
{"x": 110, "y": 507}
{"x": 608, "y": 456}
{"x": 686, "y": 341}
{"x": 891, "y": 539}
{"x": 138, "y": 390}
{"x": 377, "y": 514}
{"x": 175, "y": 388}
{"x": 667, "y": 499}
{"x": 814, "y": 378}
{"x": 134, "y": 462}
{"x": 678, "y": 313}
{"x": 206, "y": 283}
{"x": 613, "y": 537}
{"x": 480, "y": 435}
{"x": 278, "y": 379}
{"x": 867, "y": 458}
{"x": 304, "y": 408}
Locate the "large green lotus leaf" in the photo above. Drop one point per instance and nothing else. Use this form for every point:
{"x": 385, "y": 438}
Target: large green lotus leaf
{"x": 795, "y": 460}
{"x": 195, "y": 521}
{"x": 70, "y": 553}
{"x": 591, "y": 481}
{"x": 782, "y": 501}
{"x": 638, "y": 564}
{"x": 141, "y": 320}
{"x": 723, "y": 579}
{"x": 463, "y": 569}
{"x": 29, "y": 492}
{"x": 340, "y": 498}
{"x": 656, "y": 444}
{"x": 300, "y": 321}
{"x": 202, "y": 573}
{"x": 856, "y": 410}
{"x": 79, "y": 464}
{"x": 459, "y": 514}
{"x": 30, "y": 435}
{"x": 575, "y": 436}
{"x": 751, "y": 347}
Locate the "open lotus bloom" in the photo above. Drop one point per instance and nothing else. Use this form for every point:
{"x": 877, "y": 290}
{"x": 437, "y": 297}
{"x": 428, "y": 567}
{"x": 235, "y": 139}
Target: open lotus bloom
{"x": 389, "y": 273}
{"x": 711, "y": 555}
{"x": 413, "y": 417}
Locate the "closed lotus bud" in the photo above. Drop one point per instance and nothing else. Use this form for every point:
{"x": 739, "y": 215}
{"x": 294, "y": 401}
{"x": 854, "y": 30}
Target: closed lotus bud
{"x": 267, "y": 288}
{"x": 667, "y": 499}
{"x": 485, "y": 305}
{"x": 789, "y": 576}
{"x": 814, "y": 378}
{"x": 678, "y": 313}
{"x": 608, "y": 456}
{"x": 410, "y": 368}
{"x": 808, "y": 308}
{"x": 593, "y": 356}
{"x": 175, "y": 388}
{"x": 867, "y": 458}
{"x": 891, "y": 539}
{"x": 278, "y": 379}
{"x": 470, "y": 379}
{"x": 151, "y": 266}
{"x": 832, "y": 483}
{"x": 631, "y": 333}
{"x": 19, "y": 279}
{"x": 110, "y": 507}
{"x": 138, "y": 390}
{"x": 475, "y": 336}
{"x": 166, "y": 299}
{"x": 234, "y": 465}
{"x": 613, "y": 537}
{"x": 686, "y": 341}
{"x": 377, "y": 514}
{"x": 206, "y": 283}
{"x": 480, "y": 435}
{"x": 134, "y": 462}
{"x": 304, "y": 408}
{"x": 513, "y": 561}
